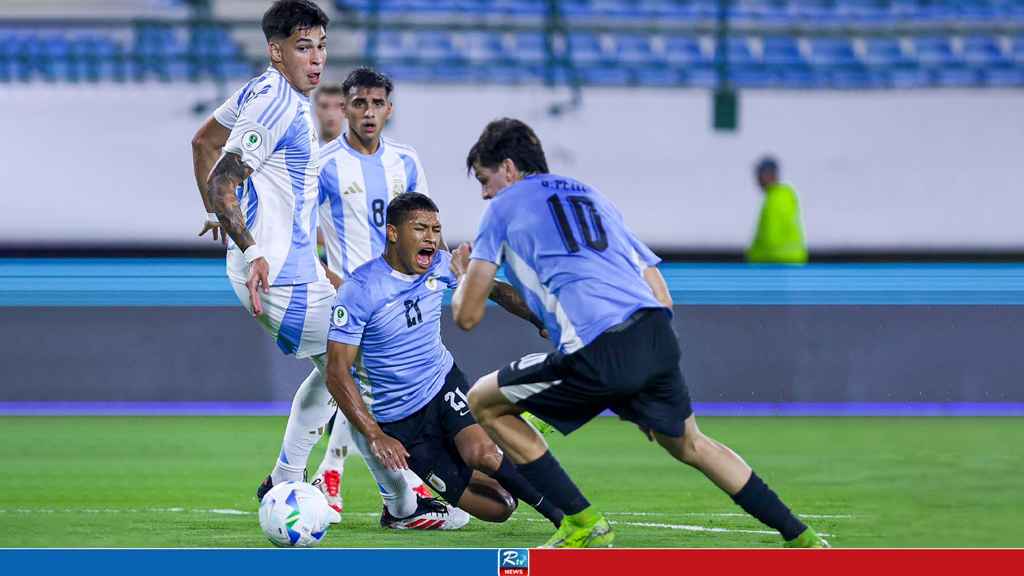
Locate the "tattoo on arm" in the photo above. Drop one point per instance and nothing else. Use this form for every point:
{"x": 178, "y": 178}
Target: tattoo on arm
{"x": 505, "y": 295}
{"x": 225, "y": 178}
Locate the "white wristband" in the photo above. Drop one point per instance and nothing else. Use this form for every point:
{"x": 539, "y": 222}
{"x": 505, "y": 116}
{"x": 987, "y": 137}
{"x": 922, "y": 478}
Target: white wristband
{"x": 252, "y": 253}
{"x": 212, "y": 217}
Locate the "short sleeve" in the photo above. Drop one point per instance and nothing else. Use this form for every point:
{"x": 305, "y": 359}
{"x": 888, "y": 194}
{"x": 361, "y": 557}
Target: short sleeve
{"x": 227, "y": 113}
{"x": 490, "y": 237}
{"x": 349, "y": 314}
{"x": 415, "y": 177}
{"x": 261, "y": 123}
{"x": 444, "y": 270}
{"x": 642, "y": 255}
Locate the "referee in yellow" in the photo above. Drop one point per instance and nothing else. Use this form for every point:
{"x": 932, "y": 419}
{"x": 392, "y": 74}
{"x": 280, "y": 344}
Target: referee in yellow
{"x": 780, "y": 234}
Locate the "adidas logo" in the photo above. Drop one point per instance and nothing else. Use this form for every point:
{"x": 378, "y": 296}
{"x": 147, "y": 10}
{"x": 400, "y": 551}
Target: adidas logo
{"x": 355, "y": 188}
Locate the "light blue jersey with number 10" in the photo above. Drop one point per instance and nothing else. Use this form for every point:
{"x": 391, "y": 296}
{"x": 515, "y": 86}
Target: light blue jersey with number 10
{"x": 566, "y": 249}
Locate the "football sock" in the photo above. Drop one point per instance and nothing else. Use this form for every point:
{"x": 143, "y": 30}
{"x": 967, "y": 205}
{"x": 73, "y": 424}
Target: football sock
{"x": 517, "y": 485}
{"x": 311, "y": 409}
{"x": 411, "y": 478}
{"x": 338, "y": 446}
{"x": 548, "y": 477}
{"x": 758, "y": 500}
{"x": 397, "y": 494}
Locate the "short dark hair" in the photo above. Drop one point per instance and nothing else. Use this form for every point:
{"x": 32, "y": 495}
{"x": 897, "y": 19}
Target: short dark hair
{"x": 767, "y": 164}
{"x": 285, "y": 16}
{"x": 406, "y": 203}
{"x": 366, "y": 77}
{"x": 332, "y": 89}
{"x": 512, "y": 139}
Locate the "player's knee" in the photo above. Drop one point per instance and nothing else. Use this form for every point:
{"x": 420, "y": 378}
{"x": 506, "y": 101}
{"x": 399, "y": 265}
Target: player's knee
{"x": 484, "y": 457}
{"x": 693, "y": 448}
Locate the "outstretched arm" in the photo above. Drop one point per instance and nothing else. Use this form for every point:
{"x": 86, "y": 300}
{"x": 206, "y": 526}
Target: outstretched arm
{"x": 207, "y": 144}
{"x": 387, "y": 449}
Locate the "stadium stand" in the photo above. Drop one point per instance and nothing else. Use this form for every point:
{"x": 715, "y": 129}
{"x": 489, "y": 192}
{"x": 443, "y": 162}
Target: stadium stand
{"x": 788, "y": 44}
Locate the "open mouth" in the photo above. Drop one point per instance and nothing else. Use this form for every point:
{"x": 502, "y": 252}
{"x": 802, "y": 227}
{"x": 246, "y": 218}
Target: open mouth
{"x": 369, "y": 128}
{"x": 424, "y": 257}
{"x": 314, "y": 78}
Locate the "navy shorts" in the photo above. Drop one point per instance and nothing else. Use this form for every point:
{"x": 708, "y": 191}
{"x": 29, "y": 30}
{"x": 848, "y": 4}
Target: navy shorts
{"x": 631, "y": 369}
{"x": 429, "y": 436}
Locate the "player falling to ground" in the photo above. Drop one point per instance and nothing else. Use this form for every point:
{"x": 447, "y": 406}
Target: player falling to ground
{"x": 270, "y": 163}
{"x": 360, "y": 172}
{"x": 566, "y": 249}
{"x": 411, "y": 403}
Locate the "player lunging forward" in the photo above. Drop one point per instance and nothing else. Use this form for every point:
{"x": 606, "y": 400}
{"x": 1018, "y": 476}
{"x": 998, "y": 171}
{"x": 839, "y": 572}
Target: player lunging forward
{"x": 270, "y": 163}
{"x": 566, "y": 249}
{"x": 411, "y": 399}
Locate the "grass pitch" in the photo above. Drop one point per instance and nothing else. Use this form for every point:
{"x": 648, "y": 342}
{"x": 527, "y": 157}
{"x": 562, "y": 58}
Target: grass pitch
{"x": 189, "y": 482}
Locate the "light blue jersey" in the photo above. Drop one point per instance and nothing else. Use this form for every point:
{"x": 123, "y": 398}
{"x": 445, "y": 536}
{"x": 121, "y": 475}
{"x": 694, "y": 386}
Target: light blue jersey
{"x": 566, "y": 249}
{"x": 395, "y": 319}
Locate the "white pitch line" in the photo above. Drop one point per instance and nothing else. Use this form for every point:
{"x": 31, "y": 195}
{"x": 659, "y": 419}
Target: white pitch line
{"x": 689, "y": 527}
{"x": 723, "y": 514}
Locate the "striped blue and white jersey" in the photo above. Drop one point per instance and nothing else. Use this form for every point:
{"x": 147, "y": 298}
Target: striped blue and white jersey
{"x": 355, "y": 190}
{"x": 566, "y": 249}
{"x": 273, "y": 132}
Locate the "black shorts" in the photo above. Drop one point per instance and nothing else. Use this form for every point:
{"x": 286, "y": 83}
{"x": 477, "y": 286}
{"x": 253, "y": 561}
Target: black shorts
{"x": 632, "y": 369}
{"x": 429, "y": 436}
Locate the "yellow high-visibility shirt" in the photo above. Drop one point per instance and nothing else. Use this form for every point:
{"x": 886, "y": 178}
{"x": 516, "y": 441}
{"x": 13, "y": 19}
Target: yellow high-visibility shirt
{"x": 780, "y": 233}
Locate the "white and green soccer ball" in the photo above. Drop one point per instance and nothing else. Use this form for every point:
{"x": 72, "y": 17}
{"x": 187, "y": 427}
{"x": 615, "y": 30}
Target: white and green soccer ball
{"x": 295, "y": 514}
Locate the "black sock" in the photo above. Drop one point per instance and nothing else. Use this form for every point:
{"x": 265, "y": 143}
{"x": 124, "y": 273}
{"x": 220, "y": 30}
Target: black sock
{"x": 758, "y": 500}
{"x": 512, "y": 480}
{"x": 547, "y": 476}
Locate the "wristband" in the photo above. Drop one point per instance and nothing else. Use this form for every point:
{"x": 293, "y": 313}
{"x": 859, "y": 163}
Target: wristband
{"x": 252, "y": 253}
{"x": 211, "y": 217}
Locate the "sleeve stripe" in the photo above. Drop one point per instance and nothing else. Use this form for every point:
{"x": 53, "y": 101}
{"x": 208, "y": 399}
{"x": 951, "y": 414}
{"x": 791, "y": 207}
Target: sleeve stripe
{"x": 277, "y": 115}
{"x": 275, "y": 104}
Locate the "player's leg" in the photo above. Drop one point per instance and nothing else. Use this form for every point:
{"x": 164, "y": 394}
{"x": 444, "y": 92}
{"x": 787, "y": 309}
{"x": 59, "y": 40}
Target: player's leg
{"x": 480, "y": 453}
{"x": 332, "y": 467}
{"x": 583, "y": 525}
{"x": 732, "y": 474}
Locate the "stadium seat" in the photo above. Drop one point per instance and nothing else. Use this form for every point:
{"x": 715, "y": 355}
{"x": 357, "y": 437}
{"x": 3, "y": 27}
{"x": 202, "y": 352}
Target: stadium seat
{"x": 657, "y": 76}
{"x": 635, "y": 49}
{"x": 529, "y": 47}
{"x": 585, "y": 49}
{"x": 983, "y": 51}
{"x": 957, "y": 77}
{"x": 1018, "y": 49}
{"x": 1009, "y": 77}
{"x": 885, "y": 52}
{"x": 907, "y": 77}
{"x": 833, "y": 52}
{"x": 781, "y": 51}
{"x": 684, "y": 50}
{"x": 935, "y": 51}
{"x": 738, "y": 52}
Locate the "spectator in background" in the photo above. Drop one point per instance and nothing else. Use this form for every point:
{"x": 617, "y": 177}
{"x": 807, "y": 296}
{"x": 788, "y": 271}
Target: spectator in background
{"x": 780, "y": 235}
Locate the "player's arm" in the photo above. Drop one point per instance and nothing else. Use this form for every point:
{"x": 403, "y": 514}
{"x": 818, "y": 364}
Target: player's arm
{"x": 476, "y": 283}
{"x": 229, "y": 172}
{"x": 658, "y": 285}
{"x": 387, "y": 449}
{"x": 504, "y": 295}
{"x": 207, "y": 144}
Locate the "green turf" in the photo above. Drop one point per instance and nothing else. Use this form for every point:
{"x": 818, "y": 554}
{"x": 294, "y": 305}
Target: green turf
{"x": 877, "y": 482}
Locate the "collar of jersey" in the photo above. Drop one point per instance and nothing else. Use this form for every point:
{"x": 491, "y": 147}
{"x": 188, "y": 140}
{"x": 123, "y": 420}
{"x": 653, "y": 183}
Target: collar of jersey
{"x": 302, "y": 97}
{"x": 347, "y": 146}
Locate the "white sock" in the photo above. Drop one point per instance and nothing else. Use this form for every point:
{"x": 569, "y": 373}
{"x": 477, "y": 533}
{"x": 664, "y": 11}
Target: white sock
{"x": 339, "y": 446}
{"x": 397, "y": 494}
{"x": 311, "y": 409}
{"x": 411, "y": 478}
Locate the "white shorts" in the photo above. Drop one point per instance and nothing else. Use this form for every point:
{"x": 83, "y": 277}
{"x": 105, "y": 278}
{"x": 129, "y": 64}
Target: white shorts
{"x": 297, "y": 317}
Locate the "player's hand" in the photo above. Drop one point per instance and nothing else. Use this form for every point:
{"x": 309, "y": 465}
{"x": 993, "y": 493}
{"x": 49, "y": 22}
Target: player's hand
{"x": 334, "y": 279}
{"x": 218, "y": 233}
{"x": 389, "y": 451}
{"x": 259, "y": 272}
{"x": 460, "y": 259}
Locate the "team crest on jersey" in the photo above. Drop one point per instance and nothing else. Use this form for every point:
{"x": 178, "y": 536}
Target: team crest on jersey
{"x": 431, "y": 283}
{"x": 397, "y": 187}
{"x": 251, "y": 140}
{"x": 340, "y": 316}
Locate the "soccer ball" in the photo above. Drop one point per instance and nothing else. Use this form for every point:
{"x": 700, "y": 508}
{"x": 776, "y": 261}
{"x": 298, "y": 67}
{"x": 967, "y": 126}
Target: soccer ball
{"x": 295, "y": 514}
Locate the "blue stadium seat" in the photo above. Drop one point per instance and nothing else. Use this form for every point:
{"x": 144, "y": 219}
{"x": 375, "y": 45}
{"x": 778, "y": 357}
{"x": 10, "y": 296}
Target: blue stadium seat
{"x": 738, "y": 52}
{"x": 392, "y": 46}
{"x": 935, "y": 51}
{"x": 957, "y": 77}
{"x": 586, "y": 49}
{"x": 435, "y": 46}
{"x": 1018, "y": 49}
{"x": 605, "y": 75}
{"x": 782, "y": 51}
{"x": 635, "y": 49}
{"x": 529, "y": 48}
{"x": 684, "y": 50}
{"x": 908, "y": 77}
{"x": 862, "y": 11}
{"x": 760, "y": 11}
{"x": 668, "y": 9}
{"x": 752, "y": 76}
{"x": 657, "y": 76}
{"x": 518, "y": 7}
{"x": 813, "y": 11}
{"x": 1012, "y": 76}
{"x": 882, "y": 52}
{"x": 833, "y": 52}
{"x": 984, "y": 51}
{"x": 700, "y": 76}
{"x": 484, "y": 48}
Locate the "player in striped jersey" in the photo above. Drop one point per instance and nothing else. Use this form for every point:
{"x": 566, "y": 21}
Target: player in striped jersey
{"x": 360, "y": 173}
{"x": 264, "y": 193}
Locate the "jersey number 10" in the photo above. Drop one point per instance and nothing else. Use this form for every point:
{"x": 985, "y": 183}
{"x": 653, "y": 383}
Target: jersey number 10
{"x": 588, "y": 219}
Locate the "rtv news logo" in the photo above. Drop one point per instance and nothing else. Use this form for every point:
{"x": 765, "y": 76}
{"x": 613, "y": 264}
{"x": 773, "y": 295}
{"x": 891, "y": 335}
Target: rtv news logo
{"x": 513, "y": 562}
